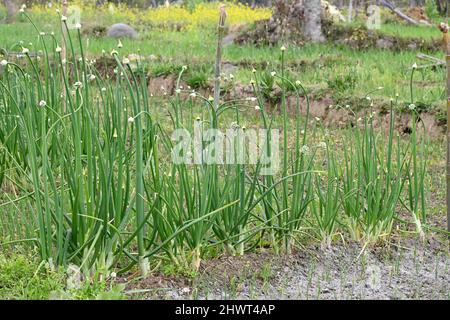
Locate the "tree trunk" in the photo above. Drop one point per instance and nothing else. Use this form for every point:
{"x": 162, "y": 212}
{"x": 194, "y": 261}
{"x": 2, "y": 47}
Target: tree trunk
{"x": 313, "y": 21}
{"x": 442, "y": 6}
{"x": 11, "y": 8}
{"x": 350, "y": 11}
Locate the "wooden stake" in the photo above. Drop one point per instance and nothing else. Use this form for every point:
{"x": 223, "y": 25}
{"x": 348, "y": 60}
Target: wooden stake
{"x": 444, "y": 29}
{"x": 217, "y": 71}
{"x": 63, "y": 54}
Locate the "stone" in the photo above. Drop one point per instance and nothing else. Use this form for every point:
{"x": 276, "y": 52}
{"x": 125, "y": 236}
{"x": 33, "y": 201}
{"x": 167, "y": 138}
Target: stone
{"x": 228, "y": 68}
{"x": 229, "y": 39}
{"x": 412, "y": 46}
{"x": 383, "y": 43}
{"x": 122, "y": 30}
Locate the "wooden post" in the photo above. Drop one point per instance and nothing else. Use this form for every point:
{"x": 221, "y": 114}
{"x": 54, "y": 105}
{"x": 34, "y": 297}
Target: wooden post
{"x": 444, "y": 29}
{"x": 63, "y": 56}
{"x": 217, "y": 69}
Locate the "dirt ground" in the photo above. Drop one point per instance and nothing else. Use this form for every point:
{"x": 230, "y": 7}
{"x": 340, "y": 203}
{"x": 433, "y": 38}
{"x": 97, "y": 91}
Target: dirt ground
{"x": 405, "y": 268}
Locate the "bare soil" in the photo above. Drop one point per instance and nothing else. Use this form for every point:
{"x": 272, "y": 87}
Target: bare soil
{"x": 404, "y": 268}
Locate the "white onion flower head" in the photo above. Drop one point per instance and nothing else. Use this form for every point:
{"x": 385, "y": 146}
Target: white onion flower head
{"x": 42, "y": 103}
{"x": 103, "y": 89}
{"x": 412, "y": 107}
{"x": 58, "y": 49}
{"x": 63, "y": 18}
{"x": 304, "y": 149}
{"x": 414, "y": 66}
{"x": 130, "y": 120}
{"x": 193, "y": 94}
{"x": 78, "y": 84}
{"x": 283, "y": 48}
{"x": 298, "y": 82}
{"x": 126, "y": 61}
{"x": 3, "y": 63}
{"x": 257, "y": 108}
{"x": 92, "y": 77}
{"x": 114, "y": 52}
{"x": 231, "y": 76}
{"x": 25, "y": 50}
{"x": 78, "y": 26}
{"x": 120, "y": 45}
{"x": 177, "y": 91}
{"x": 186, "y": 290}
{"x": 273, "y": 73}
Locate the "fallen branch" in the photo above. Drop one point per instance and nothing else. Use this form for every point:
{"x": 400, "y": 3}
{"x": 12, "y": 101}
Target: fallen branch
{"x": 435, "y": 60}
{"x": 397, "y": 11}
{"x": 431, "y": 65}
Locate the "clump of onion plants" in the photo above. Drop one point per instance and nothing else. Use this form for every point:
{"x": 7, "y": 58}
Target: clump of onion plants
{"x": 84, "y": 153}
{"x": 285, "y": 198}
{"x": 416, "y": 166}
{"x": 373, "y": 181}
{"x": 326, "y": 206}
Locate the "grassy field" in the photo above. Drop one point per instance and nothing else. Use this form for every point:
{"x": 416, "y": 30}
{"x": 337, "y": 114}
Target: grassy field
{"x": 92, "y": 204}
{"x": 315, "y": 65}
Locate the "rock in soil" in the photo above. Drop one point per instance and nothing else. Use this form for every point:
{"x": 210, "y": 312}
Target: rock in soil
{"x": 122, "y": 30}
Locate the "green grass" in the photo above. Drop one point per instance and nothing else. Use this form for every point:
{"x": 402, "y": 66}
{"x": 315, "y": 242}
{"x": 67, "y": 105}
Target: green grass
{"x": 314, "y": 65}
{"x": 24, "y": 277}
{"x": 408, "y": 31}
